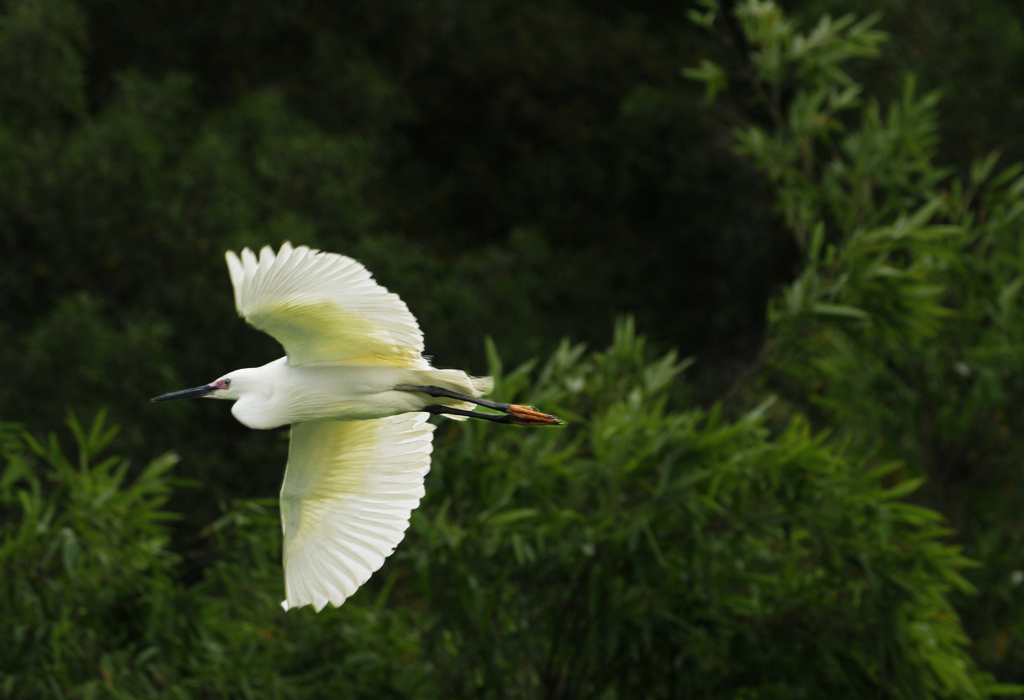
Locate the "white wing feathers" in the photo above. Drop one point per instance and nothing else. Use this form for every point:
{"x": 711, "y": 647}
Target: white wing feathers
{"x": 346, "y": 499}
{"x": 323, "y": 307}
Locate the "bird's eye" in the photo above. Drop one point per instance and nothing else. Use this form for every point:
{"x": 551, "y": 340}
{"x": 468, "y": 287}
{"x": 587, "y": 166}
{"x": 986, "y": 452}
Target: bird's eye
{"x": 227, "y": 383}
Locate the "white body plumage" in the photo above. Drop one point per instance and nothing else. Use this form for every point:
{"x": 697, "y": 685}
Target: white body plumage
{"x": 279, "y": 394}
{"x": 360, "y": 448}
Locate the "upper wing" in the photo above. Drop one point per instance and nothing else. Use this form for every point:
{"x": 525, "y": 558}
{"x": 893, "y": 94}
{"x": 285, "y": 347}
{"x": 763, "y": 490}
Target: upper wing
{"x": 345, "y": 502}
{"x": 322, "y": 307}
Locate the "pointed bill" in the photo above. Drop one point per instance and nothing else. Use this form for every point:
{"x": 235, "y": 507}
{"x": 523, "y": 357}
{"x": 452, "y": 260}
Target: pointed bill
{"x": 197, "y": 392}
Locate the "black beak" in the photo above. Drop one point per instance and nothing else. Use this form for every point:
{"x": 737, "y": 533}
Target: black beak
{"x": 204, "y": 390}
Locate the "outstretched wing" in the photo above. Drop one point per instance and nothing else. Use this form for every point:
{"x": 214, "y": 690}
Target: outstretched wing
{"x": 347, "y": 495}
{"x": 323, "y": 307}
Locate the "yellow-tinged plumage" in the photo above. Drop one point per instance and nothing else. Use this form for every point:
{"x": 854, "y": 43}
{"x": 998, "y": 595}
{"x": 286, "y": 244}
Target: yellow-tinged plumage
{"x": 348, "y": 491}
{"x": 356, "y": 390}
{"x": 323, "y": 307}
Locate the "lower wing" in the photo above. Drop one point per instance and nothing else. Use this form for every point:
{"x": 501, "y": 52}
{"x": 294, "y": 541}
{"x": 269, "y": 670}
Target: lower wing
{"x": 348, "y": 491}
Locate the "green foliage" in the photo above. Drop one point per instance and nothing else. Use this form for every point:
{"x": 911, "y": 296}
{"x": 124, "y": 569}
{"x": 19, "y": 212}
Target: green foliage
{"x": 501, "y": 168}
{"x": 88, "y": 580}
{"x": 528, "y": 170}
{"x": 971, "y": 53}
{"x": 662, "y": 553}
{"x": 646, "y": 551}
{"x": 903, "y": 328}
{"x": 93, "y": 606}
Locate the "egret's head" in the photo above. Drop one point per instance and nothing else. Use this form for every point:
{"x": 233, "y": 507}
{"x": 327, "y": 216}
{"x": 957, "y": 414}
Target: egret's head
{"x": 230, "y": 386}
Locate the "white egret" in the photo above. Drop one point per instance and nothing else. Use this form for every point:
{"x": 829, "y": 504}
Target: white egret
{"x": 356, "y": 389}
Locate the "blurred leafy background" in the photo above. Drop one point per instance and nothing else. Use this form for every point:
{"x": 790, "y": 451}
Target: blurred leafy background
{"x": 820, "y": 208}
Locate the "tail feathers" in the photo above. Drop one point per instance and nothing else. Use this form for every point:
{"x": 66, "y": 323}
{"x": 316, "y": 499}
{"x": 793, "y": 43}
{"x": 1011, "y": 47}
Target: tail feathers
{"x": 457, "y": 380}
{"x": 481, "y": 385}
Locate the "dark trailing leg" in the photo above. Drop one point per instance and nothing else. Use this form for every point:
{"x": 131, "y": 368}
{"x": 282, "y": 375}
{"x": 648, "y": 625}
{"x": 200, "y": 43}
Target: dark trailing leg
{"x": 438, "y": 392}
{"x": 443, "y": 410}
{"x": 514, "y": 413}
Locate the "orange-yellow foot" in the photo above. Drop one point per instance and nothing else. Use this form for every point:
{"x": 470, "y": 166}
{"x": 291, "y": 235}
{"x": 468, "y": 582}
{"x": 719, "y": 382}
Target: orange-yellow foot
{"x": 528, "y": 415}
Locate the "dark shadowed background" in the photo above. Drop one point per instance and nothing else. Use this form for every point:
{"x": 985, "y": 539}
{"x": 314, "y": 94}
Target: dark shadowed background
{"x": 532, "y": 172}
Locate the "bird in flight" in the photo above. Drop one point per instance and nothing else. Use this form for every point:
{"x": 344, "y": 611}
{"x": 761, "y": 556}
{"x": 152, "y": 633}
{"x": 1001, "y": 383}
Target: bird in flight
{"x": 357, "y": 391}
